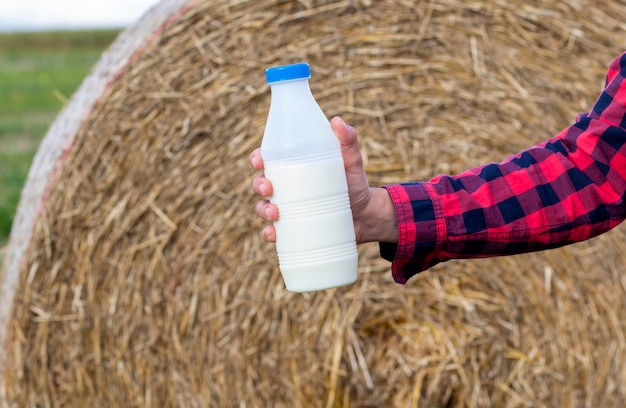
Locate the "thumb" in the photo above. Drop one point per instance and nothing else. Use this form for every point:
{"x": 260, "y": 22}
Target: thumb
{"x": 349, "y": 141}
{"x": 358, "y": 187}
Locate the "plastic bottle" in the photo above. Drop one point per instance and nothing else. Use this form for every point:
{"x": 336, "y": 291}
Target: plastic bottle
{"x": 315, "y": 237}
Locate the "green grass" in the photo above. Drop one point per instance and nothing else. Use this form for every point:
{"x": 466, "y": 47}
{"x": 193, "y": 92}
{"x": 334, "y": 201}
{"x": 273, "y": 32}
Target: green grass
{"x": 39, "y": 72}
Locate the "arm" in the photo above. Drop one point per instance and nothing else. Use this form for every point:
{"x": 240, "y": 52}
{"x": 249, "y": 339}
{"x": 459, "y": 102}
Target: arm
{"x": 567, "y": 189}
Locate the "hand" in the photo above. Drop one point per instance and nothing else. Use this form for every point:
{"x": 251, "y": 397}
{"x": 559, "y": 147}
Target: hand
{"x": 262, "y": 186}
{"x": 372, "y": 210}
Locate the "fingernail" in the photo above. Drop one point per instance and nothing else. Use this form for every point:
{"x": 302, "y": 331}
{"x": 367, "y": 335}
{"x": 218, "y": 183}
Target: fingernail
{"x": 265, "y": 233}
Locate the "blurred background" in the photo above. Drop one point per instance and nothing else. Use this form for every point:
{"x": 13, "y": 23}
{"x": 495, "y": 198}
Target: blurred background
{"x": 37, "y": 15}
{"x": 47, "y": 48}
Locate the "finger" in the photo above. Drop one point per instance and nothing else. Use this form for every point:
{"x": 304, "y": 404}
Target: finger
{"x": 269, "y": 234}
{"x": 255, "y": 159}
{"x": 267, "y": 210}
{"x": 262, "y": 186}
{"x": 349, "y": 140}
{"x": 358, "y": 186}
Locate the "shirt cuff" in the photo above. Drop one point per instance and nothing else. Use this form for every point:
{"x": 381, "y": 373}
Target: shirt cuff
{"x": 421, "y": 230}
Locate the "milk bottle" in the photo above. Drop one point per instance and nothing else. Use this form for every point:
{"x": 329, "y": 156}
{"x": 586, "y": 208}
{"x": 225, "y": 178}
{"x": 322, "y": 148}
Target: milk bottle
{"x": 315, "y": 238}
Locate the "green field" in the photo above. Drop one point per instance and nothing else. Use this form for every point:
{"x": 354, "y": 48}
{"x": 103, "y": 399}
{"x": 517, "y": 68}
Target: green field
{"x": 39, "y": 72}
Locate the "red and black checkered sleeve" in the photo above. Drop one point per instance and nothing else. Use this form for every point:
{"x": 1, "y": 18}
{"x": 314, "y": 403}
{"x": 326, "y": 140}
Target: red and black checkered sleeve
{"x": 567, "y": 189}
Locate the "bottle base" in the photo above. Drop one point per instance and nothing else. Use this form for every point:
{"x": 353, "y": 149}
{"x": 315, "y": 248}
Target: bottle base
{"x": 320, "y": 275}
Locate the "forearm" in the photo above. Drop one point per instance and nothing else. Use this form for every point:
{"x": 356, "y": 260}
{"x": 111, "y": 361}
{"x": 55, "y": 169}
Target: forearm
{"x": 565, "y": 190}
{"x": 378, "y": 221}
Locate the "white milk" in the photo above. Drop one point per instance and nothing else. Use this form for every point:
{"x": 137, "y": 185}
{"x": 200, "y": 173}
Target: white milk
{"x": 315, "y": 232}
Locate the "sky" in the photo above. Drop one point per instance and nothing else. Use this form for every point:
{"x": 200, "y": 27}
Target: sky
{"x": 35, "y": 15}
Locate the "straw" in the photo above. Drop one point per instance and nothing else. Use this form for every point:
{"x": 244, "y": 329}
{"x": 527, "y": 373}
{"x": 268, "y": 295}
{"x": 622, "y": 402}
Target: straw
{"x": 146, "y": 282}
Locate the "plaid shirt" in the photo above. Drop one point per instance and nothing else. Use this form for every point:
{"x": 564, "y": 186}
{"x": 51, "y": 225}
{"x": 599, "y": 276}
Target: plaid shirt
{"x": 564, "y": 190}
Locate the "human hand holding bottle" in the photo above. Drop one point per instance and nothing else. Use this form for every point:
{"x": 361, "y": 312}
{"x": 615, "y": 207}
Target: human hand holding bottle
{"x": 372, "y": 210}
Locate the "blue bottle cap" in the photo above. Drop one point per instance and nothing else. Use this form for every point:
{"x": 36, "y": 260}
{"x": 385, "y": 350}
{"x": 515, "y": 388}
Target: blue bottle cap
{"x": 287, "y": 72}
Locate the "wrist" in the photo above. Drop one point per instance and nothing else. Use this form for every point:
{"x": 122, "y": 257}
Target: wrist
{"x": 378, "y": 221}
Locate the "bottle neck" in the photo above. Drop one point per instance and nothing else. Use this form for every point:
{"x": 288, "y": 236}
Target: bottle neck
{"x": 294, "y": 85}
{"x": 296, "y": 126}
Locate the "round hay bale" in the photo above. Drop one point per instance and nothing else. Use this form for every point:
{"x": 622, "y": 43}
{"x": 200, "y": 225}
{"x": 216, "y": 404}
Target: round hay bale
{"x": 136, "y": 275}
